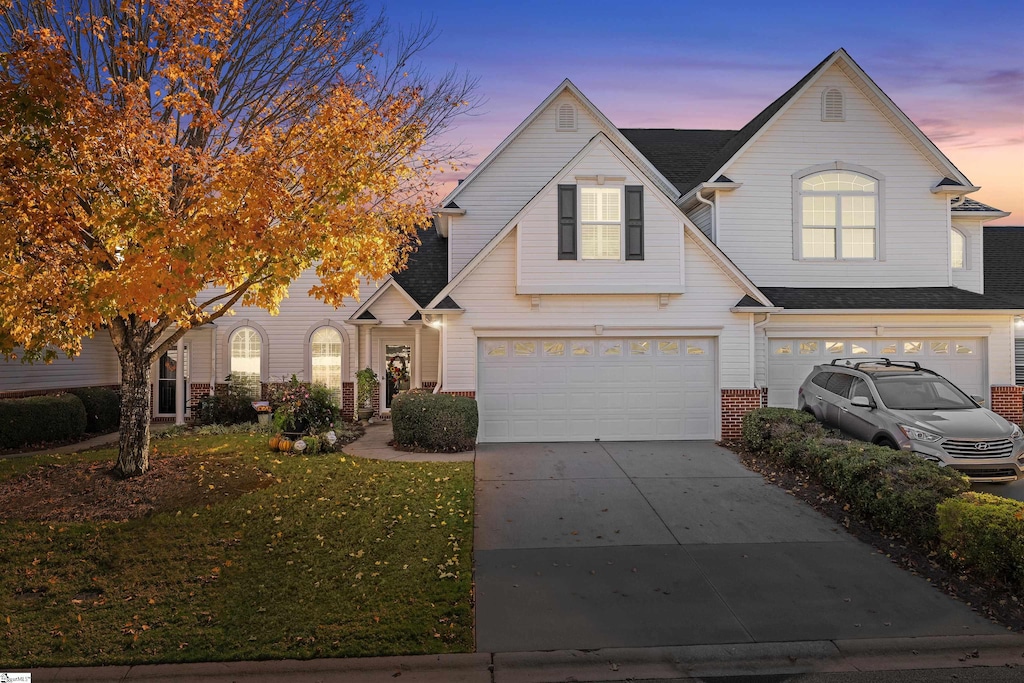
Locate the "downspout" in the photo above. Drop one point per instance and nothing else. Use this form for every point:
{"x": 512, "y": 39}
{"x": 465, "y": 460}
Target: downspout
{"x": 711, "y": 205}
{"x": 213, "y": 360}
{"x": 440, "y": 357}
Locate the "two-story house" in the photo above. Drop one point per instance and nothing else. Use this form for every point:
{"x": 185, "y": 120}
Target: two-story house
{"x": 590, "y": 282}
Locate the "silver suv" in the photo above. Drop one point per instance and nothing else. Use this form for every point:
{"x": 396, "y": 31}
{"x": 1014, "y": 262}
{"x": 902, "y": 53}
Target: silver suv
{"x": 904, "y": 406}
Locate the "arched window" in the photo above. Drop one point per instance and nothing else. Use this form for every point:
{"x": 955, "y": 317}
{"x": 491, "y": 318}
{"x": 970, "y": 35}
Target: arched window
{"x": 325, "y": 359}
{"x": 832, "y": 105}
{"x": 959, "y": 249}
{"x": 838, "y": 215}
{"x": 246, "y": 356}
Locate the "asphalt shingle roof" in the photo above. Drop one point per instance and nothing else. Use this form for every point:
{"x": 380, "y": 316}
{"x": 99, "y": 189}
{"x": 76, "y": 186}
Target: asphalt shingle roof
{"x": 908, "y": 298}
{"x": 427, "y": 271}
{"x": 1004, "y": 253}
{"x": 972, "y": 205}
{"x": 680, "y": 155}
{"x": 690, "y": 157}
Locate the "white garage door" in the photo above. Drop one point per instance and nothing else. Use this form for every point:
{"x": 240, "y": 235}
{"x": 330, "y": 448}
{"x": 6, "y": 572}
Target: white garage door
{"x": 961, "y": 361}
{"x": 585, "y": 389}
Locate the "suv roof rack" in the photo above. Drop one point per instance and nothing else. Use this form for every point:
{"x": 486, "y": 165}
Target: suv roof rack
{"x": 855, "y": 363}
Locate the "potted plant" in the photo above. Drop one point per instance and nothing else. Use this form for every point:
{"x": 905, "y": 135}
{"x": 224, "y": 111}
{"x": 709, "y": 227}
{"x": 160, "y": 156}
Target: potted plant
{"x": 366, "y": 382}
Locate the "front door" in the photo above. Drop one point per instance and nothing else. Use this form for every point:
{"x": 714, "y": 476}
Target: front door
{"x": 397, "y": 371}
{"x": 166, "y": 389}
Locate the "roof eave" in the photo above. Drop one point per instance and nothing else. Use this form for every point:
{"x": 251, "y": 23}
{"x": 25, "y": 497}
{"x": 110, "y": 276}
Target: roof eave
{"x": 871, "y": 311}
{"x": 954, "y": 189}
{"x": 692, "y": 194}
{"x": 979, "y": 214}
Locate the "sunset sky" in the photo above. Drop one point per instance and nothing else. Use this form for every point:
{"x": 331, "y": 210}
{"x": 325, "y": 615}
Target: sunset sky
{"x": 956, "y": 69}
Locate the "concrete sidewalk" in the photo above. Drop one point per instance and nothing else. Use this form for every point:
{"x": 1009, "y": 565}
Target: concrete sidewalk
{"x": 977, "y": 653}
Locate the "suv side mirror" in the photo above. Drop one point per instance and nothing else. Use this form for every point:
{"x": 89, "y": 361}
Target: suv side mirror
{"x": 862, "y": 402}
{"x": 979, "y": 400}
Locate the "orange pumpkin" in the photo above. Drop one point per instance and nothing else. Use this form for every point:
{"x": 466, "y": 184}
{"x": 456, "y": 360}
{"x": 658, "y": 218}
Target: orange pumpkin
{"x": 275, "y": 441}
{"x": 284, "y": 445}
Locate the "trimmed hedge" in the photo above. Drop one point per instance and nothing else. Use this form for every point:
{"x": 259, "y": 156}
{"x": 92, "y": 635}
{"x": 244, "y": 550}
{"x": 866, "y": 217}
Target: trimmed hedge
{"x": 39, "y": 419}
{"x": 985, "y": 535}
{"x": 894, "y": 490}
{"x": 434, "y": 422}
{"x": 102, "y": 408}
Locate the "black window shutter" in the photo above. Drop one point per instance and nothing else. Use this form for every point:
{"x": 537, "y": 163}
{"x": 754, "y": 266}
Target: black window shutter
{"x": 566, "y": 222}
{"x": 634, "y": 222}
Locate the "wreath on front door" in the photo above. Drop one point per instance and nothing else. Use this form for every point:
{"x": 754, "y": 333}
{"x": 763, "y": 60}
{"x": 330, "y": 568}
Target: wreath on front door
{"x": 398, "y": 372}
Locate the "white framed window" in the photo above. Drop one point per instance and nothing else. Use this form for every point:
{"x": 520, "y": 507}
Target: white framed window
{"x": 325, "y": 359}
{"x": 601, "y": 222}
{"x": 958, "y": 249}
{"x": 837, "y": 215}
{"x": 245, "y": 364}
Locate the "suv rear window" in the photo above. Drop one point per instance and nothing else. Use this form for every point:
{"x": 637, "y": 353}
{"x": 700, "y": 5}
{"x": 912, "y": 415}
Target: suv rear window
{"x": 821, "y": 379}
{"x": 839, "y": 383}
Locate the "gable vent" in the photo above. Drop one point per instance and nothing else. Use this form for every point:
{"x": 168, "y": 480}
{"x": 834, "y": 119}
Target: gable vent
{"x": 566, "y": 117}
{"x": 832, "y": 106}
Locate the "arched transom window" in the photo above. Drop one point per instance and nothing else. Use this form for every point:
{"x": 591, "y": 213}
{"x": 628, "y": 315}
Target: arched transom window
{"x": 325, "y": 357}
{"x": 246, "y": 357}
{"x": 959, "y": 249}
{"x": 838, "y": 216}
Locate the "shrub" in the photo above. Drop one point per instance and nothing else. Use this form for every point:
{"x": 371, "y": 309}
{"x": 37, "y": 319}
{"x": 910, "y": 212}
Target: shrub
{"x": 303, "y": 408}
{"x": 366, "y": 382}
{"x": 102, "y": 408}
{"x": 984, "y": 534}
{"x": 232, "y": 404}
{"x": 434, "y": 422}
{"x": 759, "y": 424}
{"x": 41, "y": 419}
{"x": 894, "y": 490}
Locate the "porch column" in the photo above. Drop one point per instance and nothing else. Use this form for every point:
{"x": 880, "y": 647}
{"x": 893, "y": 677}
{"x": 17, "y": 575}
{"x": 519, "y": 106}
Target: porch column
{"x": 364, "y": 347}
{"x": 416, "y": 376}
{"x": 179, "y": 382}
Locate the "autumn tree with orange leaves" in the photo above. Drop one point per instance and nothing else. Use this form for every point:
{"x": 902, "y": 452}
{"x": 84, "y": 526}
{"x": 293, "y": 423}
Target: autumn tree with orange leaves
{"x": 163, "y": 161}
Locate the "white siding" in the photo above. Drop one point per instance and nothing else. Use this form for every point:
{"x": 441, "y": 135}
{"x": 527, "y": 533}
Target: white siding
{"x": 758, "y": 235}
{"x": 972, "y": 277}
{"x": 288, "y": 331}
{"x": 540, "y": 271}
{"x": 701, "y": 217}
{"x": 392, "y": 308}
{"x": 96, "y": 366}
{"x": 513, "y": 178}
{"x": 488, "y": 295}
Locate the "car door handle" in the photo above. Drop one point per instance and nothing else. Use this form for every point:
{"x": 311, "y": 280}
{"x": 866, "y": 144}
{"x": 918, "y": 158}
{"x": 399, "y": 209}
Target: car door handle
{"x": 845, "y": 410}
{"x": 817, "y": 397}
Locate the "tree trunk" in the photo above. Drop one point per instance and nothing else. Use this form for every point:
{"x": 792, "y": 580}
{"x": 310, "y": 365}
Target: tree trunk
{"x": 133, "y": 456}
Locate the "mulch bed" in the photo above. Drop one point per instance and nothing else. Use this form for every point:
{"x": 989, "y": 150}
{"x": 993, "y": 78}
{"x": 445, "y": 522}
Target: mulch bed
{"x": 996, "y": 602}
{"x": 85, "y": 491}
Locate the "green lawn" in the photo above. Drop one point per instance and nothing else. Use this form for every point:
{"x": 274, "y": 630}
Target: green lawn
{"x": 336, "y": 557}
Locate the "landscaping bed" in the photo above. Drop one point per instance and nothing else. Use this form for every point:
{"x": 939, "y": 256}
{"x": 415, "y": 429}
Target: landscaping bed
{"x": 228, "y": 551}
{"x": 997, "y": 600}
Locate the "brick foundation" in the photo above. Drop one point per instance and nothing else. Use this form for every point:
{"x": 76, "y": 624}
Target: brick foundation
{"x": 735, "y": 404}
{"x": 1008, "y": 401}
{"x": 467, "y": 394}
{"x": 348, "y": 401}
{"x": 429, "y": 386}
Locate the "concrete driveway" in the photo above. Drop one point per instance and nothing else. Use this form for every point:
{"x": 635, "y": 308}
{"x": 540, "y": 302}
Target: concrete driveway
{"x": 594, "y": 545}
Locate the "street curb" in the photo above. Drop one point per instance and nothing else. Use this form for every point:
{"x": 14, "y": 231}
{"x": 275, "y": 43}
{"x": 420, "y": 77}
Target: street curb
{"x": 609, "y": 664}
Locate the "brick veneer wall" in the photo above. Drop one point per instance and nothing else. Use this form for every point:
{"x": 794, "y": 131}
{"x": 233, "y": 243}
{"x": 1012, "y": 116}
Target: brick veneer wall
{"x": 348, "y": 401}
{"x": 735, "y": 404}
{"x": 467, "y": 394}
{"x": 1008, "y": 401}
